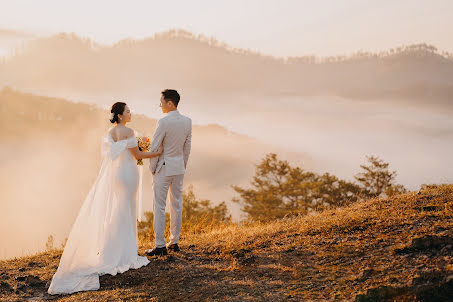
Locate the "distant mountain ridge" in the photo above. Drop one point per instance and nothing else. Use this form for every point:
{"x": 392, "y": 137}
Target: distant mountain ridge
{"x": 177, "y": 58}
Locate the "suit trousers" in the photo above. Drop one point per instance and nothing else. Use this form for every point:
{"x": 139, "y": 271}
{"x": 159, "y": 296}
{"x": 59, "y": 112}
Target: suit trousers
{"x": 161, "y": 186}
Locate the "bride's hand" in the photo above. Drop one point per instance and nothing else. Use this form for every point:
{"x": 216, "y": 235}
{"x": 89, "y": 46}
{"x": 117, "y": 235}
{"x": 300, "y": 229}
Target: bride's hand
{"x": 160, "y": 150}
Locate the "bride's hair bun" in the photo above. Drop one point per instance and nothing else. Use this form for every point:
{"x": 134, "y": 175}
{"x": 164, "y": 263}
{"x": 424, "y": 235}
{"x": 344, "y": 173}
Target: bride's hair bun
{"x": 117, "y": 108}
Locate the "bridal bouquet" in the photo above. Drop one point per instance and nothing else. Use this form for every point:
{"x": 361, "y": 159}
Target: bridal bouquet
{"x": 144, "y": 143}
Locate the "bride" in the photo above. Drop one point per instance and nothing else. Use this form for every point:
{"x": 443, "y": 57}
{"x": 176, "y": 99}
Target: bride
{"x": 103, "y": 239}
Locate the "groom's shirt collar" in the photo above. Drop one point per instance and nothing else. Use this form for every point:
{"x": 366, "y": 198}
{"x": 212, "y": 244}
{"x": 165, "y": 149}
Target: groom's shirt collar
{"x": 173, "y": 112}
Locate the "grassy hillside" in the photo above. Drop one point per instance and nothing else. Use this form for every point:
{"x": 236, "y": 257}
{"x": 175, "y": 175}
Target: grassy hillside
{"x": 397, "y": 249}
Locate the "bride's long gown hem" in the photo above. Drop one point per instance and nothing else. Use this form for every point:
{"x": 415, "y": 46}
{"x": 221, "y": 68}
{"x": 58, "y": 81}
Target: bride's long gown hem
{"x": 103, "y": 239}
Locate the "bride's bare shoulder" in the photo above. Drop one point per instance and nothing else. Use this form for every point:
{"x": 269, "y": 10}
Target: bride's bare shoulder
{"x": 128, "y": 132}
{"x": 112, "y": 131}
{"x": 120, "y": 133}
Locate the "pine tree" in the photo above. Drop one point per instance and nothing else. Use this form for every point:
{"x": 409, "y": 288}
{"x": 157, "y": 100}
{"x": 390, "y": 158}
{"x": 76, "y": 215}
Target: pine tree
{"x": 376, "y": 180}
{"x": 280, "y": 190}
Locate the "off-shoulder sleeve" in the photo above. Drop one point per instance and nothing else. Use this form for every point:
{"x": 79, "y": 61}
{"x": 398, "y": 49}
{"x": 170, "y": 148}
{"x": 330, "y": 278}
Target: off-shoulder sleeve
{"x": 132, "y": 142}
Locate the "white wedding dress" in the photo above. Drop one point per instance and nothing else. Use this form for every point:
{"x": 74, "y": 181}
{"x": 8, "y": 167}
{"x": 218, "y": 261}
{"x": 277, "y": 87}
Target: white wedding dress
{"x": 103, "y": 238}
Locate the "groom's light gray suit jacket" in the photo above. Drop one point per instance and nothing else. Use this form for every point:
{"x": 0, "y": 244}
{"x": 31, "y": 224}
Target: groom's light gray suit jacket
{"x": 174, "y": 132}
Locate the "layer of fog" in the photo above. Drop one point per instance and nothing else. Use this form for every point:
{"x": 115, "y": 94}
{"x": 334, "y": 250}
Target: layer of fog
{"x": 336, "y": 132}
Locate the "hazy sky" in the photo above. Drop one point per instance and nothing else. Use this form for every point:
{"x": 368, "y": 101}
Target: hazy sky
{"x": 283, "y": 27}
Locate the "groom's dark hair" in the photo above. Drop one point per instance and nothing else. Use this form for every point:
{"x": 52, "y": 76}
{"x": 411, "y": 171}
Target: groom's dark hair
{"x": 171, "y": 95}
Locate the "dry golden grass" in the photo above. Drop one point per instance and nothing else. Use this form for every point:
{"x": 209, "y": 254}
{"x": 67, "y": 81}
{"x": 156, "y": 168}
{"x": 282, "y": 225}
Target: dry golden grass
{"x": 365, "y": 252}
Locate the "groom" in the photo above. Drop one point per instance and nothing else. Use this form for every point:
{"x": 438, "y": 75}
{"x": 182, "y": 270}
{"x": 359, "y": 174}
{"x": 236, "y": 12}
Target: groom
{"x": 174, "y": 132}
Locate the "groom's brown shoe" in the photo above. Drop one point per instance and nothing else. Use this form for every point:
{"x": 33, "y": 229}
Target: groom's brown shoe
{"x": 157, "y": 251}
{"x": 174, "y": 247}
